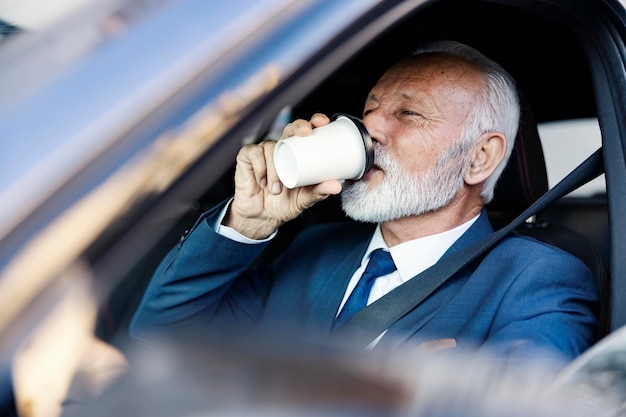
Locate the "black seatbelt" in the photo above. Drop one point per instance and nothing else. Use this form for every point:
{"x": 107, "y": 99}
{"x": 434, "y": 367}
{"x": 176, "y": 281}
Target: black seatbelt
{"x": 371, "y": 321}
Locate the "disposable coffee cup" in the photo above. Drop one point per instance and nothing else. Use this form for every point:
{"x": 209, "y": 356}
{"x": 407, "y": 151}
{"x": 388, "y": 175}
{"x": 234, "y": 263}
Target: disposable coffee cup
{"x": 340, "y": 150}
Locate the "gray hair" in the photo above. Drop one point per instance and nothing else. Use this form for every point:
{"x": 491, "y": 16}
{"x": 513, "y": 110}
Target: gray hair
{"x": 497, "y": 108}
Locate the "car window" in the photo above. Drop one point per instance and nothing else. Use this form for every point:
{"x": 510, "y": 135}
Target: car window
{"x": 566, "y": 143}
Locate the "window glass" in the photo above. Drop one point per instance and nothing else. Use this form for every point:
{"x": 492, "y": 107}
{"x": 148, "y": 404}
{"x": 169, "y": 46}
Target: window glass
{"x": 566, "y": 144}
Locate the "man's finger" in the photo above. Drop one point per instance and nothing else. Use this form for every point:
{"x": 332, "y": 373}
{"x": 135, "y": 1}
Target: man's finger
{"x": 255, "y": 155}
{"x": 273, "y": 182}
{"x": 327, "y": 188}
{"x": 298, "y": 127}
{"x": 319, "y": 119}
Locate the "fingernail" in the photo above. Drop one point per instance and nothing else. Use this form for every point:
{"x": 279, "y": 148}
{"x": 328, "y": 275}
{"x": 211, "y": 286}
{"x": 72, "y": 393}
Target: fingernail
{"x": 263, "y": 182}
{"x": 301, "y": 128}
{"x": 276, "y": 188}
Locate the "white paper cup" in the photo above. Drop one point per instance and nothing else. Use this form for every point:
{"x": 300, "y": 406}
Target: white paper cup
{"x": 340, "y": 150}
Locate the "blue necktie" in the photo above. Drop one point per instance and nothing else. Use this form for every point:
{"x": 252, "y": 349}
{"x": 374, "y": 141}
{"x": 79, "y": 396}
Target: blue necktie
{"x": 380, "y": 264}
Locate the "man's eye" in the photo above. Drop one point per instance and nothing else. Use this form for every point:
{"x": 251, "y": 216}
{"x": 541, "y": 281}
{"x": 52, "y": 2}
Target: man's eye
{"x": 409, "y": 113}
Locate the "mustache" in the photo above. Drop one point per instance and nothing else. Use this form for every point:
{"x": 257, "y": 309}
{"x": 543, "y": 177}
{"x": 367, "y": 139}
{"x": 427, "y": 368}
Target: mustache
{"x": 382, "y": 157}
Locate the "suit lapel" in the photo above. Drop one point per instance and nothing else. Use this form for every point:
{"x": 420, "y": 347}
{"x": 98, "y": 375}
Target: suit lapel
{"x": 329, "y": 284}
{"x": 415, "y": 320}
{"x": 479, "y": 230}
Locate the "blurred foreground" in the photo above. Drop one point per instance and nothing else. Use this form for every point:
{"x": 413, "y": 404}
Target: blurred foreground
{"x": 238, "y": 375}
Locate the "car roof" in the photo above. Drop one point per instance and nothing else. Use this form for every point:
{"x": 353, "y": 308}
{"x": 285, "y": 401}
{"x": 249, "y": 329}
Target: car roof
{"x": 544, "y": 55}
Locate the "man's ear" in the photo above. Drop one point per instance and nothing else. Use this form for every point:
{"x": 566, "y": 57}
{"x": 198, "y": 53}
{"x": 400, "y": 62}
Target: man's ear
{"x": 485, "y": 157}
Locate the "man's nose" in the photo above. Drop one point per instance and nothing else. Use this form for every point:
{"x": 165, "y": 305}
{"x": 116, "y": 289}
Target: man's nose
{"x": 374, "y": 122}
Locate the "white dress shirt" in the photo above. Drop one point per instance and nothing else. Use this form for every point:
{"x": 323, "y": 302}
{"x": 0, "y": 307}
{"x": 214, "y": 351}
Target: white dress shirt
{"x": 411, "y": 257}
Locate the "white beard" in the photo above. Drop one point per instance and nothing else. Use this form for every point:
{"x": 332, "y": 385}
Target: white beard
{"x": 402, "y": 194}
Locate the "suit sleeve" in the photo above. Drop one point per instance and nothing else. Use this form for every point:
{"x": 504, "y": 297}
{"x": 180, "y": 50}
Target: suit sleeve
{"x": 205, "y": 272}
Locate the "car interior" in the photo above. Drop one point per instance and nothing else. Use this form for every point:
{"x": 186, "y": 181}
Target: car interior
{"x": 544, "y": 50}
{"x": 566, "y": 58}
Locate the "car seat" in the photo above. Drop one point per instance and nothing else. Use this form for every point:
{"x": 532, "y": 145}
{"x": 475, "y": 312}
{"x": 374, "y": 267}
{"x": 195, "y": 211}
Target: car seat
{"x": 523, "y": 181}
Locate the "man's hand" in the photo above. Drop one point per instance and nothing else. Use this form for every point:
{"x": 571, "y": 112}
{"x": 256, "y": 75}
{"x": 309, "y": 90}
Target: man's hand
{"x": 261, "y": 203}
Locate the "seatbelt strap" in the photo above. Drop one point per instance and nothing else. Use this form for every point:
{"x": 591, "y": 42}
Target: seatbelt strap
{"x": 372, "y": 320}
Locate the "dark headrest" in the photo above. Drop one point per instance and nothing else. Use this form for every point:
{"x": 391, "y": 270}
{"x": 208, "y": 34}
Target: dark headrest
{"x": 524, "y": 179}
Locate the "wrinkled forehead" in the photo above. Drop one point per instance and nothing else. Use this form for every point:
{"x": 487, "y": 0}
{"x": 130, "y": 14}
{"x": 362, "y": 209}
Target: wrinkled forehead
{"x": 435, "y": 78}
{"x": 436, "y": 68}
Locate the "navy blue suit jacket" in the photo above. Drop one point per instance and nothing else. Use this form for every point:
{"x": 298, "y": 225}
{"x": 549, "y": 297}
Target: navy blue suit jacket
{"x": 522, "y": 293}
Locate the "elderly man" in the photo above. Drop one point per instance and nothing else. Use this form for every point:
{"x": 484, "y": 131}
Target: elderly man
{"x": 443, "y": 123}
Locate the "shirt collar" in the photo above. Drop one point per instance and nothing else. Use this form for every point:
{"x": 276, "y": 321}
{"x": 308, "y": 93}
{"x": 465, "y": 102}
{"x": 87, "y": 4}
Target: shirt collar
{"x": 417, "y": 255}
